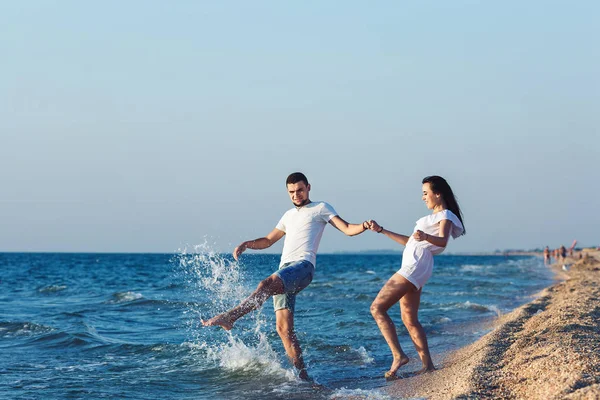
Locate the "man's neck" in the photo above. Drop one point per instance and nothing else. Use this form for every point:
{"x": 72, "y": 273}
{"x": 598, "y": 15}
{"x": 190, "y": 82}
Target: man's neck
{"x": 306, "y": 202}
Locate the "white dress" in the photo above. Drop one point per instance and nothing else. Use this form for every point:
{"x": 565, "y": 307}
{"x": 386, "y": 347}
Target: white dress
{"x": 417, "y": 258}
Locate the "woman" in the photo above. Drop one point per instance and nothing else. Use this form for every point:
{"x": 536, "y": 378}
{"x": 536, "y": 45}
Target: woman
{"x": 430, "y": 237}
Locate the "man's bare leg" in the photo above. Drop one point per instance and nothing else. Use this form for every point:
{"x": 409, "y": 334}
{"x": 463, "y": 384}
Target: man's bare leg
{"x": 409, "y": 305}
{"x": 266, "y": 288}
{"x": 285, "y": 329}
{"x": 394, "y": 289}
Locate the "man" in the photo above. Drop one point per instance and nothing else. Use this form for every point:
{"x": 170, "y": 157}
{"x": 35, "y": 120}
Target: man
{"x": 303, "y": 226}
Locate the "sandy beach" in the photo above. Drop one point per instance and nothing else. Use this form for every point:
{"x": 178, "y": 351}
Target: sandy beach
{"x": 546, "y": 349}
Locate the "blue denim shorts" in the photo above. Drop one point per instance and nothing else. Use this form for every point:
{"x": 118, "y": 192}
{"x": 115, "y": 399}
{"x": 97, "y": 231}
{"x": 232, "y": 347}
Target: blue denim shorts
{"x": 296, "y": 276}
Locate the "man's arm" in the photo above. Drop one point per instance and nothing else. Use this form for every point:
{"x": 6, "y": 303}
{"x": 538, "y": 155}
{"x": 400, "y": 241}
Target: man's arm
{"x": 348, "y": 229}
{"x": 260, "y": 243}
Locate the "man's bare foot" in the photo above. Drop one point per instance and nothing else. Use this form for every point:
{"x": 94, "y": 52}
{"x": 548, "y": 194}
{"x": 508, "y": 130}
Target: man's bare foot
{"x": 396, "y": 364}
{"x": 424, "y": 370}
{"x": 220, "y": 320}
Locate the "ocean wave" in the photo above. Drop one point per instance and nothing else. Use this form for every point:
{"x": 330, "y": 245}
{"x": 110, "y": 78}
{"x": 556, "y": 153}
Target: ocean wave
{"x": 59, "y": 339}
{"x": 481, "y": 307}
{"x": 315, "y": 285}
{"x": 15, "y": 329}
{"x": 52, "y": 288}
{"x": 124, "y": 297}
{"x": 153, "y": 348}
{"x": 141, "y": 302}
{"x": 473, "y": 268}
{"x": 353, "y": 323}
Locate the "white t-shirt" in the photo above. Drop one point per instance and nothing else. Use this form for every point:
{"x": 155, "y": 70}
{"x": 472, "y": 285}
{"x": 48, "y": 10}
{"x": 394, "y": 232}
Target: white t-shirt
{"x": 303, "y": 229}
{"x": 430, "y": 224}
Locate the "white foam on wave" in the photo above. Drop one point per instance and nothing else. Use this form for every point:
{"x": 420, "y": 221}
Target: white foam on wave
{"x": 473, "y": 268}
{"x": 52, "y": 288}
{"x": 481, "y": 307}
{"x": 527, "y": 264}
{"x": 358, "y": 394}
{"x": 23, "y": 329}
{"x": 124, "y": 297}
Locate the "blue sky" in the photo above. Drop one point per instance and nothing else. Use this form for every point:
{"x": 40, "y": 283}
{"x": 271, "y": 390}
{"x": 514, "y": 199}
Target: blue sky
{"x": 148, "y": 126}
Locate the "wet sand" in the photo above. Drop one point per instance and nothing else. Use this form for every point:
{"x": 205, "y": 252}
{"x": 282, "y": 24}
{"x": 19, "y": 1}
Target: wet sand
{"x": 546, "y": 349}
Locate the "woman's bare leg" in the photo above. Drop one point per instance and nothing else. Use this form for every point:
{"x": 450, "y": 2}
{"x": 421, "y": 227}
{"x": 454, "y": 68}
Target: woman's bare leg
{"x": 394, "y": 289}
{"x": 409, "y": 308}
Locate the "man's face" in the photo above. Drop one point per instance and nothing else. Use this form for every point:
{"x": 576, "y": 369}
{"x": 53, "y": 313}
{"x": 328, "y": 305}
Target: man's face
{"x": 298, "y": 193}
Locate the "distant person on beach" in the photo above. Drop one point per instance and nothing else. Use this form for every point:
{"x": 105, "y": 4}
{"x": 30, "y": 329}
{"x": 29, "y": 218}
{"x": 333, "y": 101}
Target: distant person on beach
{"x": 547, "y": 260}
{"x": 429, "y": 238}
{"x": 563, "y": 252}
{"x": 303, "y": 228}
{"x": 572, "y": 248}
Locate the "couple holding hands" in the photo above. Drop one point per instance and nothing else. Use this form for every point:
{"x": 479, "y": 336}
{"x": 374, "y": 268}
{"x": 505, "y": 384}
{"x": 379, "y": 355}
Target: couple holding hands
{"x": 303, "y": 228}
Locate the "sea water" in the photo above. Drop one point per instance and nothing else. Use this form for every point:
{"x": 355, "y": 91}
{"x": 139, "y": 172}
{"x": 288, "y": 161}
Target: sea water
{"x": 128, "y": 326}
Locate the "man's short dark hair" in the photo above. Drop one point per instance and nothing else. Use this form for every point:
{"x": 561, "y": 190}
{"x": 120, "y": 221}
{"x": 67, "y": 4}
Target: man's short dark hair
{"x": 295, "y": 178}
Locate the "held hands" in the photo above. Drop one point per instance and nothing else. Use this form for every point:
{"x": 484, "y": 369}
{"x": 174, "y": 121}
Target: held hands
{"x": 239, "y": 250}
{"x": 373, "y": 225}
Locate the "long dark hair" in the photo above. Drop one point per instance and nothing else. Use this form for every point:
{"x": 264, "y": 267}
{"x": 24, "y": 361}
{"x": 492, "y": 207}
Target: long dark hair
{"x": 440, "y": 186}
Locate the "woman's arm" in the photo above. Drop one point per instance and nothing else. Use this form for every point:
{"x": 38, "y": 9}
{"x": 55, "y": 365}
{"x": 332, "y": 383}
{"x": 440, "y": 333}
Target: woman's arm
{"x": 440, "y": 241}
{"x": 396, "y": 237}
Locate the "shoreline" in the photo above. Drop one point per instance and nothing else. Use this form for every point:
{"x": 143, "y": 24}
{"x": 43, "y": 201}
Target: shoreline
{"x": 548, "y": 348}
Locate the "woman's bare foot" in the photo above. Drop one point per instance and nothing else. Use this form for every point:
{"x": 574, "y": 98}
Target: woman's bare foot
{"x": 221, "y": 320}
{"x": 396, "y": 364}
{"x": 424, "y": 370}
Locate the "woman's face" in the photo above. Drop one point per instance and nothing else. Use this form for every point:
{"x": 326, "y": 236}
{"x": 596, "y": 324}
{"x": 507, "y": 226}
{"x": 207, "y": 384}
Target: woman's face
{"x": 431, "y": 199}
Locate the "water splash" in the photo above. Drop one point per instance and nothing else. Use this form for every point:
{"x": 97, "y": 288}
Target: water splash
{"x": 216, "y": 283}
{"x": 365, "y": 356}
{"x": 236, "y": 356}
